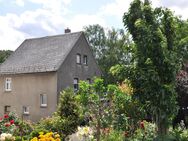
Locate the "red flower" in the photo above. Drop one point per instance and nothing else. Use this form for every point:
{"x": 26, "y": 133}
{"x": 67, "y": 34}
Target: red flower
{"x": 6, "y": 116}
{"x": 11, "y": 121}
{"x": 7, "y": 124}
{"x": 142, "y": 124}
{"x": 1, "y": 119}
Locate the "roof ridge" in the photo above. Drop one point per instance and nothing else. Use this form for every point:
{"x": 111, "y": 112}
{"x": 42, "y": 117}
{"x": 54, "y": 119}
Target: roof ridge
{"x": 58, "y": 35}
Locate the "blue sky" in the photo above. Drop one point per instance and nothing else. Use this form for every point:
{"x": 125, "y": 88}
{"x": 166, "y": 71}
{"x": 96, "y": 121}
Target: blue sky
{"x": 21, "y": 19}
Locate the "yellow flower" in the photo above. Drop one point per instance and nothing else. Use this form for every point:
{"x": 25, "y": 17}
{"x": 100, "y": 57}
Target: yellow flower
{"x": 41, "y": 133}
{"x": 57, "y": 136}
{"x": 35, "y": 139}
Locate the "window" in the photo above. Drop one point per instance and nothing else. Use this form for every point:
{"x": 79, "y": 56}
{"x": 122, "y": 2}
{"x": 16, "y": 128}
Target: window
{"x": 25, "y": 110}
{"x": 7, "y": 109}
{"x": 78, "y": 59}
{"x": 75, "y": 84}
{"x": 85, "y": 60}
{"x": 43, "y": 100}
{"x": 8, "y": 84}
{"x": 89, "y": 80}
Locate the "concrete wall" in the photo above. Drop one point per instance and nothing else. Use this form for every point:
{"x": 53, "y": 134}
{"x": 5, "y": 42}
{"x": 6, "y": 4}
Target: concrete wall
{"x": 26, "y": 90}
{"x": 70, "y": 69}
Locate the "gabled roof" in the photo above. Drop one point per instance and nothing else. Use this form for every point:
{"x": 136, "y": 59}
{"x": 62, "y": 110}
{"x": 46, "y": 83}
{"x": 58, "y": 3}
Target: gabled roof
{"x": 44, "y": 54}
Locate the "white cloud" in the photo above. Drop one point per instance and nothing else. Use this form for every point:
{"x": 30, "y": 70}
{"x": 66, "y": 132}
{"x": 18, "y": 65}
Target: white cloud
{"x": 53, "y": 16}
{"x": 9, "y": 37}
{"x": 116, "y": 8}
{"x": 20, "y": 2}
{"x": 79, "y": 21}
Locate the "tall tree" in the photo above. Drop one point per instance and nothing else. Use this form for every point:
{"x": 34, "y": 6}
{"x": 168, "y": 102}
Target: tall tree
{"x": 156, "y": 60}
{"x": 109, "y": 48}
{"x": 4, "y": 54}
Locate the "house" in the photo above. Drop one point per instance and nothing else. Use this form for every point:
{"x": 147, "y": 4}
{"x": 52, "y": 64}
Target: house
{"x": 32, "y": 77}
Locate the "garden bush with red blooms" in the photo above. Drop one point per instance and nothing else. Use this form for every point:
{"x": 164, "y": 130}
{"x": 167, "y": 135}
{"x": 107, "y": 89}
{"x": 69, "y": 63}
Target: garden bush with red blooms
{"x": 10, "y": 123}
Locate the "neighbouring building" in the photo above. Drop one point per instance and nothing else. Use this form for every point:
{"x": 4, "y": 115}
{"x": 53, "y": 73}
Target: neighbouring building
{"x": 32, "y": 77}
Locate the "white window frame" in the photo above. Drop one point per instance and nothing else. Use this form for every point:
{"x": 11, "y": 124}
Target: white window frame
{"x": 26, "y": 110}
{"x": 85, "y": 60}
{"x": 78, "y": 58}
{"x": 43, "y": 100}
{"x": 8, "y": 84}
{"x": 75, "y": 83}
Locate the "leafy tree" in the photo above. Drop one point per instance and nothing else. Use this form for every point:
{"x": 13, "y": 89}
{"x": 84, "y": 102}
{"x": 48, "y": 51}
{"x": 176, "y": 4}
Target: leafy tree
{"x": 109, "y": 48}
{"x": 4, "y": 54}
{"x": 96, "y": 37}
{"x": 155, "y": 60}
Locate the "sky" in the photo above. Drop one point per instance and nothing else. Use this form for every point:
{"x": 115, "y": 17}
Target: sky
{"x": 23, "y": 19}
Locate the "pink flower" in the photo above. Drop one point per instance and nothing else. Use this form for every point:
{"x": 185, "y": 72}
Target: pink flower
{"x": 6, "y": 116}
{"x": 11, "y": 121}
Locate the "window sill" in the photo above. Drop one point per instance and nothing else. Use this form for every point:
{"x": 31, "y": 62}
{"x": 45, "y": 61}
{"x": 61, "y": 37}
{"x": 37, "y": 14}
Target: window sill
{"x": 43, "y": 105}
{"x": 8, "y": 90}
{"x": 26, "y": 113}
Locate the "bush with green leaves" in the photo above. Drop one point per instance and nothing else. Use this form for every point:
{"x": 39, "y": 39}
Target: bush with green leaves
{"x": 113, "y": 135}
{"x": 108, "y": 106}
{"x": 67, "y": 117}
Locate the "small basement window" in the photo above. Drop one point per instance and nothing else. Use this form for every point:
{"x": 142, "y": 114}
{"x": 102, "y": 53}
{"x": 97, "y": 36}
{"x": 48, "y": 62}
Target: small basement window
{"x": 43, "y": 100}
{"x": 89, "y": 80}
{"x": 26, "y": 110}
{"x": 8, "y": 83}
{"x": 7, "y": 109}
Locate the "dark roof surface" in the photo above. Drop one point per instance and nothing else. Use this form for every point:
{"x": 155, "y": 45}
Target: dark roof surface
{"x": 40, "y": 54}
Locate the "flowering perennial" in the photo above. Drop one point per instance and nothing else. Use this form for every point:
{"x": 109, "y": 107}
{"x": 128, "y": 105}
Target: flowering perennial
{"x": 6, "y": 136}
{"x": 47, "y": 137}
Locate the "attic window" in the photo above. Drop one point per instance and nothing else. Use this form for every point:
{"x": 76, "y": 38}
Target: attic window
{"x": 78, "y": 58}
{"x": 8, "y": 82}
{"x": 85, "y": 60}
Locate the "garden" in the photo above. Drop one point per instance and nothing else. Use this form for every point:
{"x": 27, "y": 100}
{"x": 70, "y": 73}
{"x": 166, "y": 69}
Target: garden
{"x": 137, "y": 99}
{"x": 96, "y": 112}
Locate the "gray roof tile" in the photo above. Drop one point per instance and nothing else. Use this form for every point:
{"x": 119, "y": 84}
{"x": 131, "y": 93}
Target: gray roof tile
{"x": 40, "y": 54}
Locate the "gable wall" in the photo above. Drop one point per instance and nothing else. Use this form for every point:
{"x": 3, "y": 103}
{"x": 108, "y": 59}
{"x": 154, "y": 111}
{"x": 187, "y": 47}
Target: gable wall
{"x": 70, "y": 70}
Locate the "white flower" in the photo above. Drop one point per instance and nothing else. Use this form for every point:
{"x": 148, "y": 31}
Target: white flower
{"x": 3, "y": 136}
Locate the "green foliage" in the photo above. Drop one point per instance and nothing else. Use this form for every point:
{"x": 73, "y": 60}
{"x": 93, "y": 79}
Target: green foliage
{"x": 67, "y": 117}
{"x": 113, "y": 136}
{"x": 155, "y": 60}
{"x": 146, "y": 132}
{"x": 108, "y": 106}
{"x": 109, "y": 48}
{"x": 4, "y": 54}
{"x": 46, "y": 124}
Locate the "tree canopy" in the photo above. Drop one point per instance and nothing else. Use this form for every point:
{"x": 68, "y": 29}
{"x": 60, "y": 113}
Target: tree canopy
{"x": 4, "y": 54}
{"x": 156, "y": 60}
{"x": 109, "y": 48}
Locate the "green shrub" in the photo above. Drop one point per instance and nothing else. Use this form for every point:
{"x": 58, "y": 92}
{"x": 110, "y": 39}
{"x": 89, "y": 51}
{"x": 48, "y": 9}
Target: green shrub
{"x": 113, "y": 135}
{"x": 67, "y": 117}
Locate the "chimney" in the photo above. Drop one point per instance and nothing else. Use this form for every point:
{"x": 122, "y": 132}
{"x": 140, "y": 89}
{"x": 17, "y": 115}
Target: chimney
{"x": 67, "y": 30}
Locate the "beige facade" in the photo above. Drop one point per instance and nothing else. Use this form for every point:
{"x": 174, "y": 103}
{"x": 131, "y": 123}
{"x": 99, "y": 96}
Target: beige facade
{"x": 25, "y": 92}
